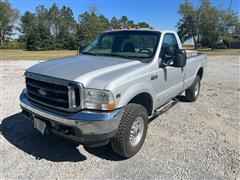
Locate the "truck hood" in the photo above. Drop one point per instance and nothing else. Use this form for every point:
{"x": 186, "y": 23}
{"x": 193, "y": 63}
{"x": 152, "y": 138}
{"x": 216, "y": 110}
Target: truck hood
{"x": 91, "y": 71}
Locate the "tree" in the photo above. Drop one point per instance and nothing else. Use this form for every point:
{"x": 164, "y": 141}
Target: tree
{"x": 188, "y": 25}
{"x": 143, "y": 25}
{"x": 114, "y": 23}
{"x": 237, "y": 29}
{"x": 8, "y": 17}
{"x": 54, "y": 18}
{"x": 206, "y": 24}
{"x": 209, "y": 24}
{"x": 123, "y": 21}
{"x": 55, "y": 28}
{"x": 229, "y": 23}
{"x": 216, "y": 24}
{"x": 48, "y": 29}
{"x": 35, "y": 30}
{"x": 63, "y": 27}
{"x": 66, "y": 38}
{"x": 43, "y": 20}
{"x": 90, "y": 25}
{"x": 27, "y": 21}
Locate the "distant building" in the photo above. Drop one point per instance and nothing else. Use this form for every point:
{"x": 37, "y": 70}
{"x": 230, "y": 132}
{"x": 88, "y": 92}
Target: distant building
{"x": 235, "y": 44}
{"x": 236, "y": 37}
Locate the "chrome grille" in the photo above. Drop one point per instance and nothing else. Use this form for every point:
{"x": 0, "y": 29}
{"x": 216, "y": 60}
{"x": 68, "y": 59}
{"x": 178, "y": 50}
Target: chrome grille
{"x": 65, "y": 97}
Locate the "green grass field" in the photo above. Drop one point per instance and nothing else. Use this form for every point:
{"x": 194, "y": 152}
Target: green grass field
{"x": 221, "y": 52}
{"x": 34, "y": 55}
{"x": 47, "y": 55}
{"x": 216, "y": 52}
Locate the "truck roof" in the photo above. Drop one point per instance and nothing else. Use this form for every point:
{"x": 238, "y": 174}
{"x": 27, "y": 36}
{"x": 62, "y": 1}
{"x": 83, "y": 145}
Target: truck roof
{"x": 144, "y": 29}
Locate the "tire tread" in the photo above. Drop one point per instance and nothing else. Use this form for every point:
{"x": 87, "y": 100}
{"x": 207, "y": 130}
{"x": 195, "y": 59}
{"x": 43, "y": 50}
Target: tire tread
{"x": 190, "y": 95}
{"x": 118, "y": 142}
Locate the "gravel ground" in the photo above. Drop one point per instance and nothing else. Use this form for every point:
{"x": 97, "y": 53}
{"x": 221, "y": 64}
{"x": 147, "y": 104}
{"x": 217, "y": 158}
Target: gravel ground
{"x": 197, "y": 140}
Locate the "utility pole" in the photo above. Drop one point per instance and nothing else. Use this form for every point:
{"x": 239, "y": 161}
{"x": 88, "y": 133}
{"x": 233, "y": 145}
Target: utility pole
{"x": 230, "y": 6}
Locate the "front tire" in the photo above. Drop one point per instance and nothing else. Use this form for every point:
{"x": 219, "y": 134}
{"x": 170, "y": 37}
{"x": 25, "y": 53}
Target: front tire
{"x": 131, "y": 132}
{"x": 193, "y": 91}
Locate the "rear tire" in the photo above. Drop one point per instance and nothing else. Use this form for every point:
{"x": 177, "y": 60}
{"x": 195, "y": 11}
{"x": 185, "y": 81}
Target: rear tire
{"x": 193, "y": 91}
{"x": 131, "y": 132}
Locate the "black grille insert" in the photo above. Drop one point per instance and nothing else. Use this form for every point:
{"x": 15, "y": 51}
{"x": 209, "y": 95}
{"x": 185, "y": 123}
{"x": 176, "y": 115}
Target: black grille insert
{"x": 48, "y": 94}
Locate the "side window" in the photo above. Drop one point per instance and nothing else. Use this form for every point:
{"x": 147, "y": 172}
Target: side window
{"x": 169, "y": 47}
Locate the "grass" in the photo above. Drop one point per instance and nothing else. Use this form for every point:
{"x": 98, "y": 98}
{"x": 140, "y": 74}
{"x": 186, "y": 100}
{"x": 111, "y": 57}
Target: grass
{"x": 47, "y": 55}
{"x": 34, "y": 55}
{"x": 216, "y": 52}
{"x": 221, "y": 52}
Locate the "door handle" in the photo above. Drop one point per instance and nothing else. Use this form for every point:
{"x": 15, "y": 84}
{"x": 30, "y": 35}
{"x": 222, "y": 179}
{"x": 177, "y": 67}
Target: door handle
{"x": 154, "y": 77}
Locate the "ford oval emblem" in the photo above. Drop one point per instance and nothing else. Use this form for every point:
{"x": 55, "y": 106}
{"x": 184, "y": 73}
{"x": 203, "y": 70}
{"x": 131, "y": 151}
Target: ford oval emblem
{"x": 42, "y": 92}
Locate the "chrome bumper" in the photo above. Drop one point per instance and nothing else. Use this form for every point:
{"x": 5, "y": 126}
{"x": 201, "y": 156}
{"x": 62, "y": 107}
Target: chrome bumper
{"x": 89, "y": 125}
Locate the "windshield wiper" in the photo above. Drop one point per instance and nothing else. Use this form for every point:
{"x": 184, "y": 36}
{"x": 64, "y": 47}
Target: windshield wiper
{"x": 111, "y": 54}
{"x": 118, "y": 55}
{"x": 88, "y": 53}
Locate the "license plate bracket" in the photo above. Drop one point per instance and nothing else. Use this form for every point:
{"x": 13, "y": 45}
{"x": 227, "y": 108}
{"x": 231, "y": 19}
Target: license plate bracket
{"x": 40, "y": 125}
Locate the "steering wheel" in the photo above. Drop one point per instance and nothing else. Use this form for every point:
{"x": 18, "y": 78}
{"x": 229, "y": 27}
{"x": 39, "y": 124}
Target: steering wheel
{"x": 145, "y": 49}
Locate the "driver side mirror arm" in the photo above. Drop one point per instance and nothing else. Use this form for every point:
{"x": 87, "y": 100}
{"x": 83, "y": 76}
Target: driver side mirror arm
{"x": 161, "y": 63}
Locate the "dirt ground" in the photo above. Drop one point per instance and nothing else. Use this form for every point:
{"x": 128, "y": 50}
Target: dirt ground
{"x": 197, "y": 140}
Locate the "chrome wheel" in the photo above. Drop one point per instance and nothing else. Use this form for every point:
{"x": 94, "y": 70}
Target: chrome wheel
{"x": 196, "y": 90}
{"x": 136, "y": 131}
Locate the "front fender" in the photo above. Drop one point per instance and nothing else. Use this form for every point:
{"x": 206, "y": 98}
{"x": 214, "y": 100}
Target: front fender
{"x": 133, "y": 91}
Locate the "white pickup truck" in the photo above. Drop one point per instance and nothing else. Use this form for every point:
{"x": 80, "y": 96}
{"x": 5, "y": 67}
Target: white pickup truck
{"x": 109, "y": 92}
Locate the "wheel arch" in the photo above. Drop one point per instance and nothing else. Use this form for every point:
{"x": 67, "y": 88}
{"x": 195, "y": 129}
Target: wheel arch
{"x": 144, "y": 99}
{"x": 200, "y": 72}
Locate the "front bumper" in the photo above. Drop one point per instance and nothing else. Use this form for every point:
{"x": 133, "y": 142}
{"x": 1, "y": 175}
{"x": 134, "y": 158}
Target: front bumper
{"x": 86, "y": 127}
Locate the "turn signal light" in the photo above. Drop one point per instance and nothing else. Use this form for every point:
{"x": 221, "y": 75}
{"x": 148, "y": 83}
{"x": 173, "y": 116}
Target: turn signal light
{"x": 111, "y": 106}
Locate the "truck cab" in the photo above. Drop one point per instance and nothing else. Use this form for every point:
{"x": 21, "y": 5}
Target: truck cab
{"x": 108, "y": 93}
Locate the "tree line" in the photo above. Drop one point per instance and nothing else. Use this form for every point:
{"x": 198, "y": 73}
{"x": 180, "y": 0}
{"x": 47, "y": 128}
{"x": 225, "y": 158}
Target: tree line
{"x": 207, "y": 25}
{"x": 56, "y": 28}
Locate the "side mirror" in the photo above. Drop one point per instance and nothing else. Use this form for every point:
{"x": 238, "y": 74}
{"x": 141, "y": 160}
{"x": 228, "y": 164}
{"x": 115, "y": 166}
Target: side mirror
{"x": 81, "y": 48}
{"x": 180, "y": 58}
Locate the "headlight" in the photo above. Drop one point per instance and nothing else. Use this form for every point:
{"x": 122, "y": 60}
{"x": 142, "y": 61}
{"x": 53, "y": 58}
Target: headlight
{"x": 98, "y": 99}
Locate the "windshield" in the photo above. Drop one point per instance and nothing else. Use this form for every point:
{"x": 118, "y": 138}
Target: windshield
{"x": 128, "y": 44}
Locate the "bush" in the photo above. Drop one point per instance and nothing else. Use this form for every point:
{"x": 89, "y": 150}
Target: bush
{"x": 221, "y": 46}
{"x": 13, "y": 45}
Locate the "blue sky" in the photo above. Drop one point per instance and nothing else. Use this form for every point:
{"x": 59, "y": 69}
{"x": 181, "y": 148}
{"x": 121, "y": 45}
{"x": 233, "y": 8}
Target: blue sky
{"x": 161, "y": 14}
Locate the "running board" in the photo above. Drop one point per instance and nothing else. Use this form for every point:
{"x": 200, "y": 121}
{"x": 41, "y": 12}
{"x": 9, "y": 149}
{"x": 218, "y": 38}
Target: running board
{"x": 165, "y": 107}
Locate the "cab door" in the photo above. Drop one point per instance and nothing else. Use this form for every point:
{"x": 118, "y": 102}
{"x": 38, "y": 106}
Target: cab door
{"x": 170, "y": 81}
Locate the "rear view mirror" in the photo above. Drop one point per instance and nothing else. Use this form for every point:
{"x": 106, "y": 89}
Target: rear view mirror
{"x": 180, "y": 58}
